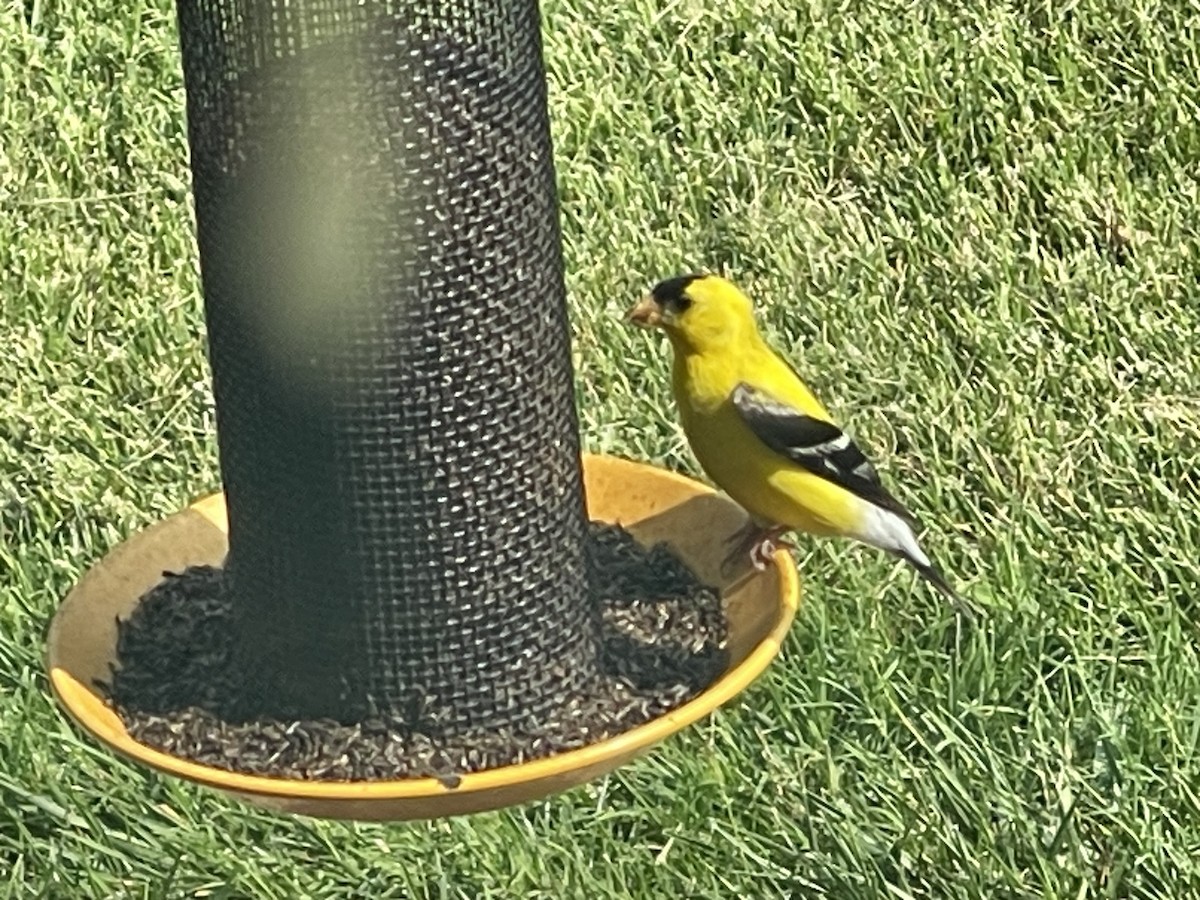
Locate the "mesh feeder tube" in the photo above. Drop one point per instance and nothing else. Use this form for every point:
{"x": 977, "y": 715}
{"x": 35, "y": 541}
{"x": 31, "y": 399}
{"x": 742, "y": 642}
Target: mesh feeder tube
{"x": 402, "y": 529}
{"x": 382, "y": 274}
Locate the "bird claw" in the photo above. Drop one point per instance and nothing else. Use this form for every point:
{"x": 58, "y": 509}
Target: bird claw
{"x": 759, "y": 544}
{"x": 761, "y": 554}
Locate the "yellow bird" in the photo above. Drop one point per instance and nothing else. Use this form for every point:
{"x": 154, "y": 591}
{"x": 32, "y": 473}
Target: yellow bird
{"x": 764, "y": 438}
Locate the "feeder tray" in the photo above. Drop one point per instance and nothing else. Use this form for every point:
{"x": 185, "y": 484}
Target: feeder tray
{"x": 653, "y": 504}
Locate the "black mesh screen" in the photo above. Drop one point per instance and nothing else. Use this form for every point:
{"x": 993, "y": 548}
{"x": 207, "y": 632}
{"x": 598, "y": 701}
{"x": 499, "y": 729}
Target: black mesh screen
{"x": 381, "y": 264}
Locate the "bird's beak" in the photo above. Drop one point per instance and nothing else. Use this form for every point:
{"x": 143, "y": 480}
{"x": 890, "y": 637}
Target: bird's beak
{"x": 647, "y": 313}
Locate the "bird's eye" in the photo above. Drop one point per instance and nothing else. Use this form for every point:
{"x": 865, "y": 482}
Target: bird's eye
{"x": 682, "y": 303}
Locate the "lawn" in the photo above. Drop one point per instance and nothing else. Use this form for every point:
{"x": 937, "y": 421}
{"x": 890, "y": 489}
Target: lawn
{"x": 975, "y": 227}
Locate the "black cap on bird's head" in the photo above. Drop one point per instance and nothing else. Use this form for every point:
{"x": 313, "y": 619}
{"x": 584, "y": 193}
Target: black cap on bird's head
{"x": 671, "y": 293}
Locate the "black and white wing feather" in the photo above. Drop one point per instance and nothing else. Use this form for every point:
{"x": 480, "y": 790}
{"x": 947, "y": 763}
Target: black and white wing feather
{"x": 820, "y": 447}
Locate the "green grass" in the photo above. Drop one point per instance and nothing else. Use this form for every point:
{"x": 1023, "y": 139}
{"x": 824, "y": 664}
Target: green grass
{"x": 973, "y": 226}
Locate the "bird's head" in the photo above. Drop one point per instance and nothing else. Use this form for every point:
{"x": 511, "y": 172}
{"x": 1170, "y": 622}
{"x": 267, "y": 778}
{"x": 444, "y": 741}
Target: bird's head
{"x": 698, "y": 312}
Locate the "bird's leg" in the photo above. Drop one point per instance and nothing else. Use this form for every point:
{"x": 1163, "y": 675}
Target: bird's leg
{"x": 756, "y": 541}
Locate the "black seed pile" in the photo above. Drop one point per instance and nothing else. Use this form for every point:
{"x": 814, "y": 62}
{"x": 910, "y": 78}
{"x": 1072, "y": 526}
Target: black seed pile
{"x": 177, "y": 689}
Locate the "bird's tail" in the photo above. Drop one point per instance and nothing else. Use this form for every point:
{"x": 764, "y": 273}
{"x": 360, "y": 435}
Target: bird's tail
{"x": 889, "y": 531}
{"x": 933, "y": 575}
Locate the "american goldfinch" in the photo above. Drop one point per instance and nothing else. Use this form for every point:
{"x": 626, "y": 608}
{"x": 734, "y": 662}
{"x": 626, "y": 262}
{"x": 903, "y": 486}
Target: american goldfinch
{"x": 764, "y": 438}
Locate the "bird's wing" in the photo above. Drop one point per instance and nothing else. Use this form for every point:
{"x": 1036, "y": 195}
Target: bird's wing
{"x": 815, "y": 445}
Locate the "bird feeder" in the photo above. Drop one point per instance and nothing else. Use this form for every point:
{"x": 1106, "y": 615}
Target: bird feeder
{"x": 404, "y": 502}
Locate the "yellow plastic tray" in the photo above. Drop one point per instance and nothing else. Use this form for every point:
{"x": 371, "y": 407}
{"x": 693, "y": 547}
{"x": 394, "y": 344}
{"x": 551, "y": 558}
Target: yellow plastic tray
{"x": 654, "y": 504}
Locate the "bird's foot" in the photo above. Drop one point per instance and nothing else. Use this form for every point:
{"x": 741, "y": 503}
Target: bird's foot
{"x": 757, "y": 543}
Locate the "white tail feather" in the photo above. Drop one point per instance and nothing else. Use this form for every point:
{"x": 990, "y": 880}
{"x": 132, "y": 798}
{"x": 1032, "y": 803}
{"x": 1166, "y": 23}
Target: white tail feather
{"x": 887, "y": 531}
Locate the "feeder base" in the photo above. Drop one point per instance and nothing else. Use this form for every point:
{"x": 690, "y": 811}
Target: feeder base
{"x": 653, "y": 504}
